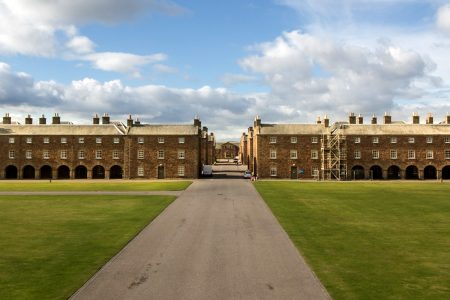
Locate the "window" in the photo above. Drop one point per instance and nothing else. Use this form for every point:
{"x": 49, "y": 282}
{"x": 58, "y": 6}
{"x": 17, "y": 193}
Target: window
{"x": 357, "y": 154}
{"x": 181, "y": 140}
{"x": 314, "y": 154}
{"x": 98, "y": 154}
{"x": 46, "y": 140}
{"x": 447, "y": 154}
{"x": 293, "y": 140}
{"x": 46, "y": 154}
{"x": 81, "y": 154}
{"x": 180, "y": 170}
{"x": 393, "y": 154}
{"x": 411, "y": 140}
{"x": 273, "y": 154}
{"x": 116, "y": 140}
{"x": 375, "y": 140}
{"x": 63, "y": 140}
{"x": 160, "y": 140}
{"x": 357, "y": 140}
{"x": 315, "y": 171}
{"x": 28, "y": 154}
{"x": 12, "y": 154}
{"x": 81, "y": 140}
{"x": 140, "y": 171}
{"x": 115, "y": 154}
{"x": 375, "y": 154}
{"x": 273, "y": 171}
{"x": 429, "y": 139}
{"x": 314, "y": 140}
{"x": 273, "y": 139}
{"x": 411, "y": 154}
{"x": 63, "y": 154}
{"x": 393, "y": 140}
{"x": 181, "y": 154}
{"x": 140, "y": 154}
{"x": 98, "y": 140}
{"x": 11, "y": 140}
{"x": 160, "y": 154}
{"x": 29, "y": 140}
{"x": 293, "y": 154}
{"x": 447, "y": 139}
{"x": 140, "y": 140}
{"x": 429, "y": 154}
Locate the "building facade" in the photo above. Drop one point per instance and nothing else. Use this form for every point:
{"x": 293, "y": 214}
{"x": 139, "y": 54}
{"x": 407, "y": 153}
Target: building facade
{"x": 110, "y": 150}
{"x": 349, "y": 150}
{"x": 228, "y": 150}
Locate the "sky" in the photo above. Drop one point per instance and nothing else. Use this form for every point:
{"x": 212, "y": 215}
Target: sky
{"x": 288, "y": 61}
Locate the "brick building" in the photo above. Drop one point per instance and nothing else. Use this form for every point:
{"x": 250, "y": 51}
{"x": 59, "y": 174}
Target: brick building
{"x": 349, "y": 150}
{"x": 228, "y": 150}
{"x": 111, "y": 150}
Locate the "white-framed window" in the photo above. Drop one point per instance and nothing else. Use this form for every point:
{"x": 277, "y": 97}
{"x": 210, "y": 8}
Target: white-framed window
{"x": 46, "y": 154}
{"x": 293, "y": 140}
{"x": 375, "y": 154}
{"x": 81, "y": 140}
{"x": 314, "y": 154}
{"x": 28, "y": 154}
{"x": 273, "y": 140}
{"x": 181, "y": 154}
{"x": 314, "y": 140}
{"x": 98, "y": 140}
{"x": 273, "y": 171}
{"x": 140, "y": 154}
{"x": 429, "y": 154}
{"x": 116, "y": 140}
{"x": 394, "y": 140}
{"x": 160, "y": 154}
{"x": 411, "y": 140}
{"x": 357, "y": 140}
{"x": 447, "y": 139}
{"x": 12, "y": 154}
{"x": 393, "y": 154}
{"x": 293, "y": 154}
{"x": 46, "y": 140}
{"x": 140, "y": 140}
{"x": 357, "y": 154}
{"x": 273, "y": 153}
{"x": 447, "y": 154}
{"x": 140, "y": 171}
{"x": 63, "y": 154}
{"x": 160, "y": 140}
{"x": 81, "y": 154}
{"x": 411, "y": 154}
{"x": 375, "y": 140}
{"x": 63, "y": 140}
{"x": 12, "y": 140}
{"x": 181, "y": 140}
{"x": 115, "y": 154}
{"x": 181, "y": 170}
{"x": 98, "y": 154}
{"x": 29, "y": 140}
{"x": 429, "y": 139}
{"x": 315, "y": 171}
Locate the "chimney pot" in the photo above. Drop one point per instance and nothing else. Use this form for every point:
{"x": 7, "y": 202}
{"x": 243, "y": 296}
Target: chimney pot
{"x": 352, "y": 118}
{"x": 7, "y": 119}
{"x": 56, "y": 119}
{"x": 29, "y": 120}
{"x": 374, "y": 119}
{"x": 387, "y": 118}
{"x": 415, "y": 118}
{"x": 42, "y": 120}
{"x": 429, "y": 119}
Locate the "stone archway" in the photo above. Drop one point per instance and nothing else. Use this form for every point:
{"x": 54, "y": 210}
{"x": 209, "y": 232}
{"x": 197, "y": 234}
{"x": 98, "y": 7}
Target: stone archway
{"x": 45, "y": 172}
{"x": 412, "y": 172}
{"x": 81, "y": 172}
{"x": 429, "y": 172}
{"x": 446, "y": 172}
{"x": 357, "y": 173}
{"x": 376, "y": 172}
{"x": 393, "y": 172}
{"x": 11, "y": 172}
{"x": 115, "y": 172}
{"x": 98, "y": 172}
{"x": 28, "y": 172}
{"x": 63, "y": 172}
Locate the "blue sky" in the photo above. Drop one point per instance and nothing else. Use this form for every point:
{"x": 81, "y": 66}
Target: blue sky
{"x": 226, "y": 61}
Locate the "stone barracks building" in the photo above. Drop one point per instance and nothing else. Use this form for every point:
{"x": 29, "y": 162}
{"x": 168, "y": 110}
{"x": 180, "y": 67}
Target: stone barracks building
{"x": 349, "y": 150}
{"x": 110, "y": 150}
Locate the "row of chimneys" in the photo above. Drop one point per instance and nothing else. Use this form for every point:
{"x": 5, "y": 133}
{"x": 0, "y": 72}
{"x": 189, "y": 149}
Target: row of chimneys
{"x": 56, "y": 119}
{"x": 388, "y": 119}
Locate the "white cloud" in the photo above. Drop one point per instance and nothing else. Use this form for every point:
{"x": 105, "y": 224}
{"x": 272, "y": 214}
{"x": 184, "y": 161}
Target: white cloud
{"x": 443, "y": 18}
{"x": 165, "y": 69}
{"x": 233, "y": 79}
{"x": 80, "y": 44}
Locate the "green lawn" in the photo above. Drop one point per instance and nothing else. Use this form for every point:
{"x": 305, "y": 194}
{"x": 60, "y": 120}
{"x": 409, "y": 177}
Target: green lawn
{"x": 372, "y": 240}
{"x": 50, "y": 245}
{"x": 113, "y": 185}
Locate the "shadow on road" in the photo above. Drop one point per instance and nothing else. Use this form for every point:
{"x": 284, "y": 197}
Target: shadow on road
{"x": 228, "y": 171}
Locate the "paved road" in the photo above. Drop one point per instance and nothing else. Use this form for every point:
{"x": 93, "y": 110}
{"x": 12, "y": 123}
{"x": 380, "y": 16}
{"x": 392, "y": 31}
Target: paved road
{"x": 218, "y": 240}
{"x": 94, "y": 193}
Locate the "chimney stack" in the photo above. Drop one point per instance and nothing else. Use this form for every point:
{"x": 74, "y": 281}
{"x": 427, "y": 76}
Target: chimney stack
{"x": 105, "y": 119}
{"x": 137, "y": 122}
{"x": 56, "y": 119}
{"x": 448, "y": 119}
{"x": 95, "y": 119}
{"x": 257, "y": 122}
{"x": 374, "y": 119}
{"x": 429, "y": 119}
{"x": 352, "y": 118}
{"x": 415, "y": 118}
{"x": 7, "y": 119}
{"x": 360, "y": 119}
{"x": 129, "y": 121}
{"x": 197, "y": 122}
{"x": 387, "y": 118}
{"x": 28, "y": 120}
{"x": 326, "y": 121}
{"x": 318, "y": 120}
{"x": 42, "y": 120}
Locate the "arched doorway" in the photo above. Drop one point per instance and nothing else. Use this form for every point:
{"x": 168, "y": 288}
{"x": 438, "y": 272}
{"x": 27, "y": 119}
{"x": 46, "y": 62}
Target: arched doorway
{"x": 446, "y": 172}
{"x": 63, "y": 172}
{"x": 376, "y": 172}
{"x": 28, "y": 172}
{"x": 429, "y": 172}
{"x": 357, "y": 172}
{"x": 393, "y": 172}
{"x": 412, "y": 172}
{"x": 98, "y": 172}
{"x": 160, "y": 172}
{"x": 81, "y": 172}
{"x": 11, "y": 172}
{"x": 115, "y": 172}
{"x": 45, "y": 172}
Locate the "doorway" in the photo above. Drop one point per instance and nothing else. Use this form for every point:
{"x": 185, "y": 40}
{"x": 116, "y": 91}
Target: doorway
{"x": 160, "y": 172}
{"x": 293, "y": 172}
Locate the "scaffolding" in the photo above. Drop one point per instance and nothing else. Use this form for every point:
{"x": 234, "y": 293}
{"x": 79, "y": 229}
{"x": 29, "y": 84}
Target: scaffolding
{"x": 334, "y": 155}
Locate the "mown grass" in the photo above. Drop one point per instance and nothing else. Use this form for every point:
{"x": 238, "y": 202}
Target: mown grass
{"x": 112, "y": 185}
{"x": 50, "y": 245}
{"x": 369, "y": 240}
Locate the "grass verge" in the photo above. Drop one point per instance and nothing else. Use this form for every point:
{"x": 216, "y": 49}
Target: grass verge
{"x": 369, "y": 240}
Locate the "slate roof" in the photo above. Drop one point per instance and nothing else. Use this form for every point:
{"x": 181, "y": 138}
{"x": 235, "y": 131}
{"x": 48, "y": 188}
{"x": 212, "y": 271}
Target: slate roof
{"x": 396, "y": 129}
{"x": 60, "y": 129}
{"x": 292, "y": 129}
{"x": 163, "y": 130}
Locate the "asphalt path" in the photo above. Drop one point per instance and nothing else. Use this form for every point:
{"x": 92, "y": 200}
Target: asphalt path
{"x": 218, "y": 240}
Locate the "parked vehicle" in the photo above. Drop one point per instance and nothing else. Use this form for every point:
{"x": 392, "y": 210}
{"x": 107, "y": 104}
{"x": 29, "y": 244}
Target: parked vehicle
{"x": 207, "y": 170}
{"x": 247, "y": 174}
